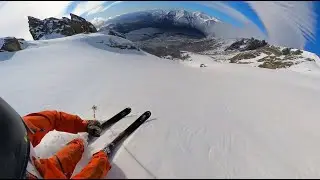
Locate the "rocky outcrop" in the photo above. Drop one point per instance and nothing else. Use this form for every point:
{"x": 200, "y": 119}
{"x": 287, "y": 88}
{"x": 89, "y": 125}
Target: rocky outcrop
{"x": 247, "y": 44}
{"x": 50, "y": 28}
{"x": 288, "y": 51}
{"x": 80, "y": 25}
{"x": 10, "y": 44}
{"x": 275, "y": 64}
{"x": 243, "y": 55}
{"x": 271, "y": 57}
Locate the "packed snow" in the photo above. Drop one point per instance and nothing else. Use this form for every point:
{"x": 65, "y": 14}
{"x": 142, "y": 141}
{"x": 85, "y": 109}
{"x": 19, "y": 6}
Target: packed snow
{"x": 221, "y": 121}
{"x": 310, "y": 68}
{"x": 52, "y": 36}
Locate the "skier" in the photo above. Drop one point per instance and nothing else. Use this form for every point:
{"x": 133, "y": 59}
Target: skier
{"x": 19, "y": 136}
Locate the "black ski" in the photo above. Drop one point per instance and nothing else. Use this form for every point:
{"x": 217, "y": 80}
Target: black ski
{"x": 116, "y": 118}
{"x": 107, "y": 124}
{"x": 109, "y": 149}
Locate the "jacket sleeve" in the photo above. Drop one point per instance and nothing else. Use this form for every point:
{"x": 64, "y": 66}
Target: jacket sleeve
{"x": 60, "y": 121}
{"x": 97, "y": 168}
{"x": 41, "y": 123}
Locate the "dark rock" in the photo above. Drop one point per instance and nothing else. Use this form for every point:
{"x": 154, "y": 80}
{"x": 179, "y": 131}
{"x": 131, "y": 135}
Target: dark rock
{"x": 247, "y": 44}
{"x": 253, "y": 44}
{"x": 64, "y": 27}
{"x": 11, "y": 44}
{"x": 297, "y": 52}
{"x": 269, "y": 50}
{"x": 236, "y": 45}
{"x": 286, "y": 51}
{"x": 275, "y": 64}
{"x": 243, "y": 55}
{"x": 76, "y": 18}
{"x": 35, "y": 27}
{"x": 80, "y": 25}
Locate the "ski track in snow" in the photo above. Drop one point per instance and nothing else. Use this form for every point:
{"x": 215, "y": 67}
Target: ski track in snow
{"x": 221, "y": 121}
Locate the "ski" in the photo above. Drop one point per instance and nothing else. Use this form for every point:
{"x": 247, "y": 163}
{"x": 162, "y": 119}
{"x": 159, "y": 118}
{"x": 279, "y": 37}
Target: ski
{"x": 109, "y": 149}
{"x": 107, "y": 124}
{"x": 116, "y": 118}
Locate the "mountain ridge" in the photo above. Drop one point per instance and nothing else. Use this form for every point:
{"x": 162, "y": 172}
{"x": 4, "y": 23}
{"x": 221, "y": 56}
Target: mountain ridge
{"x": 155, "y": 18}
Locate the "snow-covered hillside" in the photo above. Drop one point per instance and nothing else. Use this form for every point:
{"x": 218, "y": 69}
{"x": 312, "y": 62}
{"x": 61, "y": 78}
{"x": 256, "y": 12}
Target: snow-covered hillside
{"x": 179, "y": 45}
{"x": 254, "y": 55}
{"x": 168, "y": 34}
{"x": 222, "y": 121}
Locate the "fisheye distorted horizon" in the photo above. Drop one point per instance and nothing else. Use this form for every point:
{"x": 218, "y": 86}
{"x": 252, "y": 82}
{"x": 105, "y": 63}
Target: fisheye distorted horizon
{"x": 288, "y": 23}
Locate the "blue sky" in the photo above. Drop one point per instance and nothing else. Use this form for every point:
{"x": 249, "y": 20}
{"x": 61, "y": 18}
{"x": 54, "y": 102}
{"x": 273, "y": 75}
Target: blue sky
{"x": 132, "y": 6}
{"x": 293, "y": 24}
{"x": 315, "y": 46}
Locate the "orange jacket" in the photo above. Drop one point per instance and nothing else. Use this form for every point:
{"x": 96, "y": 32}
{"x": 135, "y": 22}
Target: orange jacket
{"x": 43, "y": 122}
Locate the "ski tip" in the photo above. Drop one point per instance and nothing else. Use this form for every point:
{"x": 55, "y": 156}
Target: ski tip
{"x": 145, "y": 116}
{"x": 147, "y": 113}
{"x": 126, "y": 111}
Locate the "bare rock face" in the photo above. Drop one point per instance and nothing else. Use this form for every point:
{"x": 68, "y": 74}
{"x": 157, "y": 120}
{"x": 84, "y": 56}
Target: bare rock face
{"x": 51, "y": 28}
{"x": 10, "y": 44}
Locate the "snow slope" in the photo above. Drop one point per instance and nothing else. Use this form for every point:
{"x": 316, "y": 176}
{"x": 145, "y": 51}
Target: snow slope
{"x": 222, "y": 121}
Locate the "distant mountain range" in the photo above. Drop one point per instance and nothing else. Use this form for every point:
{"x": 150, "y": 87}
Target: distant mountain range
{"x": 160, "y": 19}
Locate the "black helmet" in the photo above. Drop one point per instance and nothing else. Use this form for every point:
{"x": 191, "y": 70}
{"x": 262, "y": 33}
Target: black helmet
{"x": 15, "y": 146}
